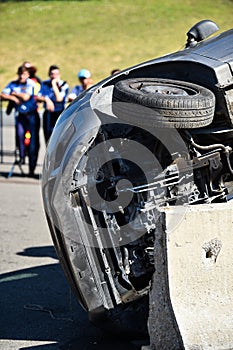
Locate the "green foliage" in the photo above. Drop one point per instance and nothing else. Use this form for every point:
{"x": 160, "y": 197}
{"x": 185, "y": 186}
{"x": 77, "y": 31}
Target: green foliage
{"x": 98, "y": 34}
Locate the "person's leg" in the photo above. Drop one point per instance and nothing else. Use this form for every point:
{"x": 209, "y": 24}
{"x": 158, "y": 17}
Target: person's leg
{"x": 49, "y": 121}
{"x": 37, "y": 128}
{"x": 34, "y": 123}
{"x": 54, "y": 118}
{"x": 20, "y": 137}
{"x": 46, "y": 125}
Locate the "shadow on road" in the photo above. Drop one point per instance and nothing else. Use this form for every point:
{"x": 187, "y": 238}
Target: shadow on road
{"x": 9, "y": 174}
{"x": 36, "y": 304}
{"x": 41, "y": 252}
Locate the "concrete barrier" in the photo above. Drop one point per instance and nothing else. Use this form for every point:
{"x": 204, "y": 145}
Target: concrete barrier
{"x": 191, "y": 300}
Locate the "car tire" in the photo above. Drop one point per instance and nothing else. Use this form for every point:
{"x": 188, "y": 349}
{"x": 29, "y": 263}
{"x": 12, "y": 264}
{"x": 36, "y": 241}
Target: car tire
{"x": 169, "y": 103}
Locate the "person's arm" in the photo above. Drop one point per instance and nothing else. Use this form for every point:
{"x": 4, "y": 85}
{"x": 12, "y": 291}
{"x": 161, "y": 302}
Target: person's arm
{"x": 23, "y": 96}
{"x": 58, "y": 94}
{"x": 48, "y": 102}
{"x": 26, "y": 94}
{"x": 43, "y": 97}
{"x": 71, "y": 97}
{"x": 74, "y": 93}
{"x": 7, "y": 97}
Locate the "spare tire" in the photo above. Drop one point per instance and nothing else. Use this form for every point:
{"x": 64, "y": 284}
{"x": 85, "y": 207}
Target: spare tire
{"x": 170, "y": 103}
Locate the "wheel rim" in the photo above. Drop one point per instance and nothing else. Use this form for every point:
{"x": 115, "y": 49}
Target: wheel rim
{"x": 163, "y": 89}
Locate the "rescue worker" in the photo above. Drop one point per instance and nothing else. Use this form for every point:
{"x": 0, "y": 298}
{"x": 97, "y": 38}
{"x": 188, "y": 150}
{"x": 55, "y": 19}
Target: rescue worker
{"x": 53, "y": 93}
{"x": 20, "y": 93}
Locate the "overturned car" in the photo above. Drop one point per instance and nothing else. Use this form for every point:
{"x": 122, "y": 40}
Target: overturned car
{"x": 159, "y": 134}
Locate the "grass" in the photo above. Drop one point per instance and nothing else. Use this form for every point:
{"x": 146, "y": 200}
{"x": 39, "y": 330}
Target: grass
{"x": 98, "y": 34}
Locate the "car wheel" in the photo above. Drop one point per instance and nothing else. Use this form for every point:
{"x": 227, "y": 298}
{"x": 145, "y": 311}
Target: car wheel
{"x": 170, "y": 103}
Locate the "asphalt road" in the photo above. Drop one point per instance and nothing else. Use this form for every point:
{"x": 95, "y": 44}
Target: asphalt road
{"x": 37, "y": 308}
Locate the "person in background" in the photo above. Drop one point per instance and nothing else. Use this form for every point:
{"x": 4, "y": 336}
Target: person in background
{"x": 32, "y": 71}
{"x": 53, "y": 94}
{"x": 26, "y": 64}
{"x": 84, "y": 76}
{"x": 21, "y": 93}
{"x": 115, "y": 71}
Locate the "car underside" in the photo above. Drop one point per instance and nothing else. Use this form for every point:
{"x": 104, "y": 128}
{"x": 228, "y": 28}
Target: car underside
{"x": 154, "y": 136}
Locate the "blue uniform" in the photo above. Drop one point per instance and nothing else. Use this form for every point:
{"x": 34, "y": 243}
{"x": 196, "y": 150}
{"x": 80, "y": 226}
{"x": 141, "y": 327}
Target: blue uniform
{"x": 50, "y": 118}
{"x": 26, "y": 119}
{"x": 76, "y": 91}
{"x": 28, "y": 88}
{"x": 46, "y": 90}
